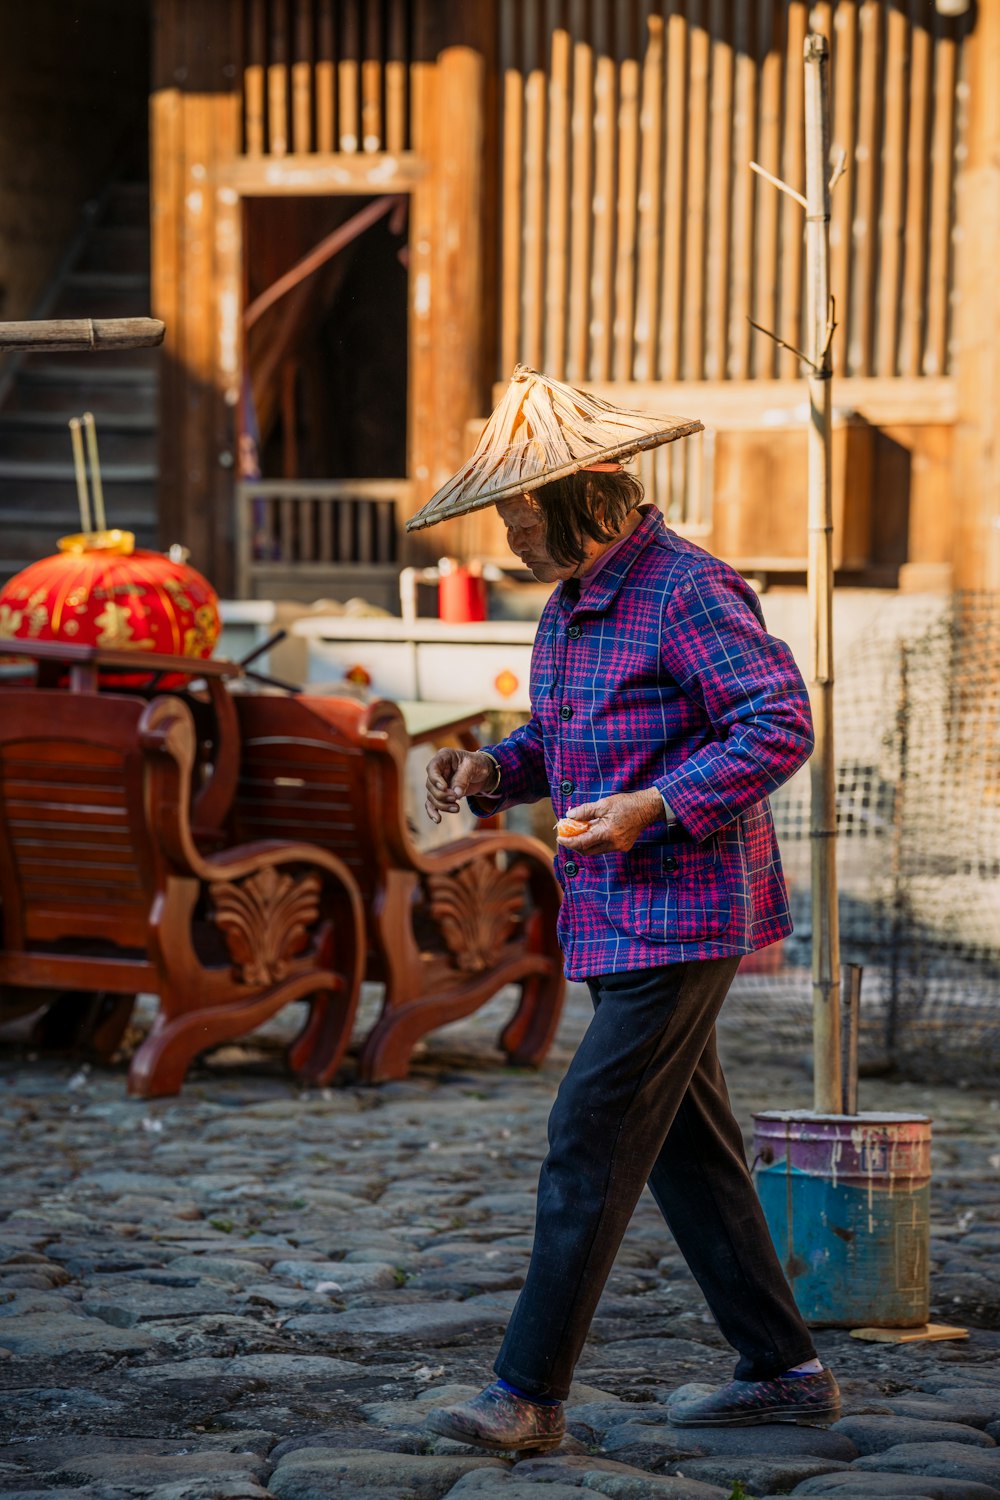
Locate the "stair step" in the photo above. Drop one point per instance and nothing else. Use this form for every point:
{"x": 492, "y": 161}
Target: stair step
{"x": 37, "y": 370}
{"x": 107, "y": 302}
{"x": 22, "y": 498}
{"x": 56, "y": 419}
{"x": 45, "y": 447}
{"x": 47, "y": 470}
{"x": 125, "y": 281}
{"x": 127, "y": 203}
{"x": 99, "y": 365}
{"x": 115, "y": 247}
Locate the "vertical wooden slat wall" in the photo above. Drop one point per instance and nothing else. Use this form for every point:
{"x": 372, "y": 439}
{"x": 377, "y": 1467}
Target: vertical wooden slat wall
{"x": 635, "y": 241}
{"x": 326, "y": 75}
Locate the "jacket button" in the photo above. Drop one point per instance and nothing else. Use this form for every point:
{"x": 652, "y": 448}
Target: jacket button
{"x": 670, "y": 865}
{"x": 571, "y": 868}
{"x": 565, "y": 712}
{"x": 567, "y": 788}
{"x": 574, "y": 632}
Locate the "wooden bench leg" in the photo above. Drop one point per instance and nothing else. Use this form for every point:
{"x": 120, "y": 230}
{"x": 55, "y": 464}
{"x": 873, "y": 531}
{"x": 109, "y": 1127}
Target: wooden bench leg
{"x": 160, "y": 1064}
{"x": 530, "y": 1031}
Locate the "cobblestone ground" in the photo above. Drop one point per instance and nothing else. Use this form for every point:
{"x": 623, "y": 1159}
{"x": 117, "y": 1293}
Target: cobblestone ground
{"x": 247, "y": 1292}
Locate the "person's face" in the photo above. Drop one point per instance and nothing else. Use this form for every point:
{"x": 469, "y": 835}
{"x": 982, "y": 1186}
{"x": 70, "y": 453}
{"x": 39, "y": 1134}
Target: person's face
{"x": 526, "y": 539}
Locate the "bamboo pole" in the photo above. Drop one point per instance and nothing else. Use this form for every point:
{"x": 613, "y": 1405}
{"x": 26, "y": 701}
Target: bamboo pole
{"x": 557, "y": 262}
{"x": 302, "y": 78}
{"x": 693, "y": 318}
{"x": 512, "y": 195}
{"x": 827, "y": 1089}
{"x": 62, "y": 335}
{"x": 80, "y": 469}
{"x": 720, "y": 141}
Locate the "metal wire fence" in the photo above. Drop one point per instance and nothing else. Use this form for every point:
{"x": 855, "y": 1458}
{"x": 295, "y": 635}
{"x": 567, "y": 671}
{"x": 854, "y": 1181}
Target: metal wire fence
{"x": 918, "y": 748}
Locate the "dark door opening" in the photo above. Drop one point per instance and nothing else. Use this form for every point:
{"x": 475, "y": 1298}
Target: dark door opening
{"x": 325, "y": 393}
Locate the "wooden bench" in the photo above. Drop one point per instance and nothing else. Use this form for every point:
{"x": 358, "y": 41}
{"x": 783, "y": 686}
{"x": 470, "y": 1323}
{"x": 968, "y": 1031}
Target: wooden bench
{"x": 447, "y": 928}
{"x": 102, "y": 888}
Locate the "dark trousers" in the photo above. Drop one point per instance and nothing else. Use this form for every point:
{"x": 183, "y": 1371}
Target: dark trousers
{"x": 644, "y": 1100}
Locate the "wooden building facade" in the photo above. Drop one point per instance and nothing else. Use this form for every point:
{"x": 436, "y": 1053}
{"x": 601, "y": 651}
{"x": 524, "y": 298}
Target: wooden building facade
{"x": 365, "y": 212}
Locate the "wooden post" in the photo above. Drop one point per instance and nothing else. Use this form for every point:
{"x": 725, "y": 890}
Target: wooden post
{"x": 827, "y": 1092}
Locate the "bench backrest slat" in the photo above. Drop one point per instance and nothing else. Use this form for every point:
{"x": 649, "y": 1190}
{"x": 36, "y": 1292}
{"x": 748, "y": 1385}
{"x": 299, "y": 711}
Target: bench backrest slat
{"x": 73, "y": 845}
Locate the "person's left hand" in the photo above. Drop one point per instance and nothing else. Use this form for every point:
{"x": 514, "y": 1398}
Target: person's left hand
{"x": 615, "y": 822}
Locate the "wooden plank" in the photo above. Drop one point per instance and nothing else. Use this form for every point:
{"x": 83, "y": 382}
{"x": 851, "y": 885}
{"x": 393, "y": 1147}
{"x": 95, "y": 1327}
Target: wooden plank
{"x": 942, "y": 155}
{"x": 915, "y": 236}
{"x": 326, "y": 75}
{"x": 650, "y": 239}
{"x": 697, "y": 193}
{"x": 673, "y": 192}
{"x": 512, "y": 189}
{"x": 790, "y": 325}
{"x": 720, "y": 141}
{"x": 396, "y": 69}
{"x": 535, "y": 184}
{"x": 277, "y": 80}
{"x": 627, "y": 217}
{"x": 888, "y": 286}
{"x": 349, "y": 77}
{"x": 165, "y": 250}
{"x": 302, "y": 78}
{"x": 744, "y": 148}
{"x": 313, "y": 175}
{"x": 557, "y": 238}
{"x": 602, "y": 262}
{"x": 371, "y": 81}
{"x": 582, "y": 195}
{"x": 253, "y": 79}
{"x": 860, "y": 351}
{"x": 770, "y": 37}
{"x": 844, "y": 81}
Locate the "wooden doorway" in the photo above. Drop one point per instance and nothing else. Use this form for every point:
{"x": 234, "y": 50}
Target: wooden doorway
{"x": 323, "y": 406}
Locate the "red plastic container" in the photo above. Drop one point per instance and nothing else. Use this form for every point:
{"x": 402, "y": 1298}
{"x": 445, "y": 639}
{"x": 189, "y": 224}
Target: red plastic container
{"x": 461, "y": 595}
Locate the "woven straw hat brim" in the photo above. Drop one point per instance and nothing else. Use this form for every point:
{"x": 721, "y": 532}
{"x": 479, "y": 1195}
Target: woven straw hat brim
{"x": 544, "y": 430}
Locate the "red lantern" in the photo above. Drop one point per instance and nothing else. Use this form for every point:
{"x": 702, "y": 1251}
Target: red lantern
{"x": 99, "y": 591}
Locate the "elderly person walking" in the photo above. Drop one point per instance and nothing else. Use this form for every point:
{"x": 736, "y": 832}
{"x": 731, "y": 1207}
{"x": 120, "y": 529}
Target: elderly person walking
{"x": 663, "y": 714}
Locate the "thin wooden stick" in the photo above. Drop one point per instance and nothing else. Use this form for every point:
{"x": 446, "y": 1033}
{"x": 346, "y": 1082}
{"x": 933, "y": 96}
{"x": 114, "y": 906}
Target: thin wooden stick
{"x": 90, "y": 428}
{"x": 80, "y": 467}
{"x": 777, "y": 182}
{"x": 827, "y": 1089}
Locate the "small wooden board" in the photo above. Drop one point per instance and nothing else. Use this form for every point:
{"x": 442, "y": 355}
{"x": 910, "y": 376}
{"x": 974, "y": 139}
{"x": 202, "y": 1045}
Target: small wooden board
{"x": 929, "y": 1333}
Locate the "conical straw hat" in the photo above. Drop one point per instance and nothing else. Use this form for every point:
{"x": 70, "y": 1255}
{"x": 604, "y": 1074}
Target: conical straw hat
{"x": 543, "y": 430}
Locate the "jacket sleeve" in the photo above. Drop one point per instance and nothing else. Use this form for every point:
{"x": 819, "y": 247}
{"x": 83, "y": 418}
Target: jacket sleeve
{"x": 521, "y": 757}
{"x": 717, "y": 650}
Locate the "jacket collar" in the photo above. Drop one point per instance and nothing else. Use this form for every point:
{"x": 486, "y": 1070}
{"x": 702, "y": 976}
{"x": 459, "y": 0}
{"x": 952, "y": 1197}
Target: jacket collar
{"x": 604, "y": 589}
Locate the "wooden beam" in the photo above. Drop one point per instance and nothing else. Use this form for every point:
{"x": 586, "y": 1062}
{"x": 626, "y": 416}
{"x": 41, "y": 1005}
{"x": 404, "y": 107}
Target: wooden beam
{"x": 977, "y": 317}
{"x": 335, "y": 172}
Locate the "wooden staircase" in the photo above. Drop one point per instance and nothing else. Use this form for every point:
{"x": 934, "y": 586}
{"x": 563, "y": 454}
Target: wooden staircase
{"x": 106, "y": 274}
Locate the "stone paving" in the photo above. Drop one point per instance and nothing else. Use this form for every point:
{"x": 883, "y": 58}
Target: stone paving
{"x": 248, "y": 1292}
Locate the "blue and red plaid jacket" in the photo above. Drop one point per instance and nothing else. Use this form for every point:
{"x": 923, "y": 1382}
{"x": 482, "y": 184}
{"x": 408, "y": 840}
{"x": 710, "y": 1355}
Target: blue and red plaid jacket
{"x": 662, "y": 675}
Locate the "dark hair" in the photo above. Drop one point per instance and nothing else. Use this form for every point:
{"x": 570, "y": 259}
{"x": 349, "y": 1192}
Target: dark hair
{"x": 585, "y": 505}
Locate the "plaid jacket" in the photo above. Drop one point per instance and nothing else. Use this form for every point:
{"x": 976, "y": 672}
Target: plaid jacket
{"x": 662, "y": 675}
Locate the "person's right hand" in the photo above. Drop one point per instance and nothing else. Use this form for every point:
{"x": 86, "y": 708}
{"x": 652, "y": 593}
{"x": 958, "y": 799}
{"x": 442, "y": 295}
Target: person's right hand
{"x": 454, "y": 774}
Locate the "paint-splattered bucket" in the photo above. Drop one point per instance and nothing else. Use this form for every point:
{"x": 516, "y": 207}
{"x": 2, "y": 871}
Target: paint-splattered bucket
{"x": 847, "y": 1201}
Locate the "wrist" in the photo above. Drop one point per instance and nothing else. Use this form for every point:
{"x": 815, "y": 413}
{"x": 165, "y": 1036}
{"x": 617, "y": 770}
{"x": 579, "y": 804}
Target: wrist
{"x": 493, "y": 774}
